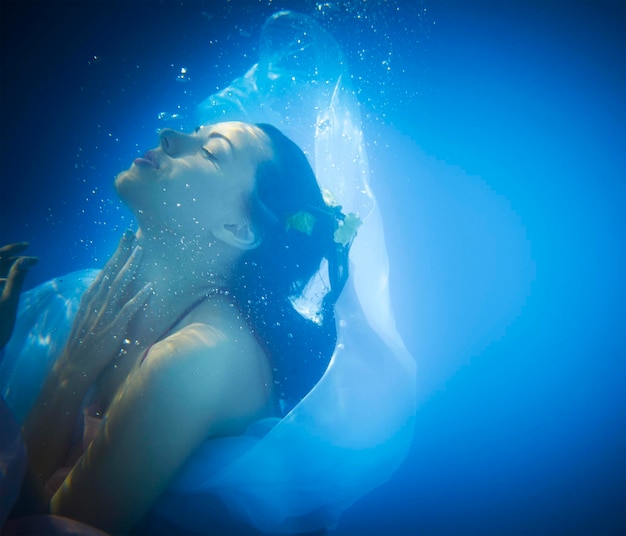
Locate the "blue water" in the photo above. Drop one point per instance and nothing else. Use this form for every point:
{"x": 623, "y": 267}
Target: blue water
{"x": 497, "y": 146}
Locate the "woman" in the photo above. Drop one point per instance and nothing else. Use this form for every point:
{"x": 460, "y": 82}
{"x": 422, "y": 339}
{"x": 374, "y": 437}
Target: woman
{"x": 186, "y": 333}
{"x": 293, "y": 474}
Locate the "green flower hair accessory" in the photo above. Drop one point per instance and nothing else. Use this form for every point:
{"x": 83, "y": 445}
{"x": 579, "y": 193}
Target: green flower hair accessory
{"x": 347, "y": 224}
{"x": 347, "y": 228}
{"x": 301, "y": 221}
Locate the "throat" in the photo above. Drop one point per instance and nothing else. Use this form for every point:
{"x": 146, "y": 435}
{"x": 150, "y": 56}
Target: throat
{"x": 185, "y": 262}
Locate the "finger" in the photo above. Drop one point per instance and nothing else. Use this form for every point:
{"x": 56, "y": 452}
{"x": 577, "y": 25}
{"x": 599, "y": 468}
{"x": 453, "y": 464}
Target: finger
{"x": 130, "y": 309}
{"x": 118, "y": 293}
{"x": 115, "y": 332}
{"x": 138, "y": 301}
{"x": 8, "y": 254}
{"x": 97, "y": 292}
{"x": 12, "y": 249}
{"x": 92, "y": 300}
{"x": 10, "y": 296}
{"x": 119, "y": 258}
{"x": 124, "y": 249}
{"x": 16, "y": 277}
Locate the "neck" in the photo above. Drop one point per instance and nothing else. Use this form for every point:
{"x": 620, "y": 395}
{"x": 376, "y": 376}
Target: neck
{"x": 181, "y": 267}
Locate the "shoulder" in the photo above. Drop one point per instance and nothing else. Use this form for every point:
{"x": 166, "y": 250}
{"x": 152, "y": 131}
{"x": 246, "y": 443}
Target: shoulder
{"x": 214, "y": 337}
{"x": 216, "y": 369}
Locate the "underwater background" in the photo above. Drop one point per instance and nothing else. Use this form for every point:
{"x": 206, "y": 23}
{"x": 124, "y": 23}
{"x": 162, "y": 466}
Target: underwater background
{"x": 497, "y": 144}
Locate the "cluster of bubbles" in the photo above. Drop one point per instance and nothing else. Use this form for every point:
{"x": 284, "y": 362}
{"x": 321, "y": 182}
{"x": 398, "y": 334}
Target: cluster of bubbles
{"x": 167, "y": 116}
{"x": 383, "y": 41}
{"x": 183, "y": 75}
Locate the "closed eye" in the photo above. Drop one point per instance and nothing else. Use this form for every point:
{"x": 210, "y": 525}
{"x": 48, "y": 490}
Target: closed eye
{"x": 208, "y": 154}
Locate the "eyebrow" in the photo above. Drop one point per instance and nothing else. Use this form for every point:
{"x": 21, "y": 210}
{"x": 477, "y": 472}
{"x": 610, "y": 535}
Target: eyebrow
{"x": 218, "y": 135}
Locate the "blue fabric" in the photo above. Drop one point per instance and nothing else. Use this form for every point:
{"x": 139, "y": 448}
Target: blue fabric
{"x": 44, "y": 321}
{"x": 352, "y": 431}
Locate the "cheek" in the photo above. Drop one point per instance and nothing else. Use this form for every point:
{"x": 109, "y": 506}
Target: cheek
{"x": 199, "y": 204}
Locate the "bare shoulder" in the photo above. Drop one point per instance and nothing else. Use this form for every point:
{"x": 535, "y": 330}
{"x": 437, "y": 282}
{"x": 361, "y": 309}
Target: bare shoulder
{"x": 218, "y": 367}
{"x": 207, "y": 379}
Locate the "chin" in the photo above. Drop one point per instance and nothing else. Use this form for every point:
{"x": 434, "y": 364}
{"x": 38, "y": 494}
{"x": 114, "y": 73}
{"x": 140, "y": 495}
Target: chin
{"x": 127, "y": 185}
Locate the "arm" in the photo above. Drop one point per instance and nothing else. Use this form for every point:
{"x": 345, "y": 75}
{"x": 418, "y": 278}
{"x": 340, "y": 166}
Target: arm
{"x": 197, "y": 383}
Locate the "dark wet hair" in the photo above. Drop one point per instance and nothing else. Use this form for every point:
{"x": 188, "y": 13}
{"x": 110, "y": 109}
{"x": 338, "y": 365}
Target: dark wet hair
{"x": 268, "y": 276}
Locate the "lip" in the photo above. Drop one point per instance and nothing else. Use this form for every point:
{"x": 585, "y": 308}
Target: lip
{"x": 148, "y": 159}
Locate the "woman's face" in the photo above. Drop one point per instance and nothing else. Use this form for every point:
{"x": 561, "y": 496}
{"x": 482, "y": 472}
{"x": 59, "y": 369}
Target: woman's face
{"x": 194, "y": 182}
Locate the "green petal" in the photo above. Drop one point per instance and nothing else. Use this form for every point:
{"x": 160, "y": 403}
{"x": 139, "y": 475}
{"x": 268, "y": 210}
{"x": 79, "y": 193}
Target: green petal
{"x": 301, "y": 221}
{"x": 346, "y": 231}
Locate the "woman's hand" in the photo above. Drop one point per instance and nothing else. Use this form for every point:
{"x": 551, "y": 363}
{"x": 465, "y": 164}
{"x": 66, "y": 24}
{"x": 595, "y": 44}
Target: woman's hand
{"x": 97, "y": 335}
{"x": 13, "y": 270}
{"x": 105, "y": 310}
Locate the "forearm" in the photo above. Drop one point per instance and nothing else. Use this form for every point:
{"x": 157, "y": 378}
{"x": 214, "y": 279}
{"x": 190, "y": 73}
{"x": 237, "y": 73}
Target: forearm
{"x": 49, "y": 427}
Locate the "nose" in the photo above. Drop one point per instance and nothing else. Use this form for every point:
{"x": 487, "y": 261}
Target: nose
{"x": 176, "y": 143}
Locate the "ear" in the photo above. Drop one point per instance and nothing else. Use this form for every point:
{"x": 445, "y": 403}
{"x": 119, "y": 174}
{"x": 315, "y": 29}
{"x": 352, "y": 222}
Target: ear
{"x": 239, "y": 236}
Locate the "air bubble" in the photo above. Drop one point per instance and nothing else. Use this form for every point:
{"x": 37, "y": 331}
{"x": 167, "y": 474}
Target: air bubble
{"x": 183, "y": 76}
